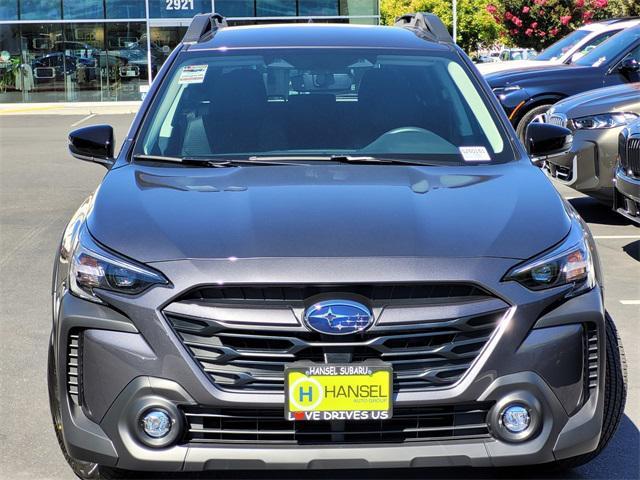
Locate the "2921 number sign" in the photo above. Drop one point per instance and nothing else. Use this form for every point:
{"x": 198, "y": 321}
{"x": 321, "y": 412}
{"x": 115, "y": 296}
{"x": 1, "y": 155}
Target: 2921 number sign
{"x": 179, "y": 5}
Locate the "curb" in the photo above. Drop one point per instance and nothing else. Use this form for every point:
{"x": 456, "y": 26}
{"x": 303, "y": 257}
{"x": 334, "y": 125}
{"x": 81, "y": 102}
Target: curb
{"x": 78, "y": 108}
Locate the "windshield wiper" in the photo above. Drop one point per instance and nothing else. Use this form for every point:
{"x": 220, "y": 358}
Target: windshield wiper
{"x": 209, "y": 162}
{"x": 348, "y": 159}
{"x": 378, "y": 160}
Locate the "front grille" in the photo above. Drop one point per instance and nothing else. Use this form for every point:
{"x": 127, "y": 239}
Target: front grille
{"x": 74, "y": 366}
{"x": 557, "y": 119}
{"x": 423, "y": 354}
{"x": 561, "y": 173}
{"x": 269, "y": 426}
{"x": 376, "y": 293}
{"x": 630, "y": 162}
{"x": 590, "y": 360}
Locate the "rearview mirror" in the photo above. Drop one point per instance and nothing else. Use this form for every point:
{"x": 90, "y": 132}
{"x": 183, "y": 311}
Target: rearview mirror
{"x": 93, "y": 144}
{"x": 629, "y": 65}
{"x": 544, "y": 140}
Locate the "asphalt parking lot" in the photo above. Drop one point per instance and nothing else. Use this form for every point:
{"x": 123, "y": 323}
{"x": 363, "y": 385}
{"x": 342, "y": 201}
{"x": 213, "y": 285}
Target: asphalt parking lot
{"x": 41, "y": 186}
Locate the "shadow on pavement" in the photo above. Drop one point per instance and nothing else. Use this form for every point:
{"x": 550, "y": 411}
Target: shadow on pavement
{"x": 621, "y": 458}
{"x": 618, "y": 461}
{"x": 633, "y": 250}
{"x": 593, "y": 211}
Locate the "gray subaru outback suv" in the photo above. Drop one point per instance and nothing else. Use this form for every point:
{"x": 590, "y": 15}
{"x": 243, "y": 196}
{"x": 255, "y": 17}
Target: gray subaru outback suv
{"x": 322, "y": 246}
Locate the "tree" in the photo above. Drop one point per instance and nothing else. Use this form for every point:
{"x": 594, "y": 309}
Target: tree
{"x": 539, "y": 23}
{"x": 475, "y": 23}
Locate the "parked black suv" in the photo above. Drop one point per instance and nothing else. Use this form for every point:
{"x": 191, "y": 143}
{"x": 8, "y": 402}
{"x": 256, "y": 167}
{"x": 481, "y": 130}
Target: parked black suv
{"x": 527, "y": 93}
{"x": 322, "y": 246}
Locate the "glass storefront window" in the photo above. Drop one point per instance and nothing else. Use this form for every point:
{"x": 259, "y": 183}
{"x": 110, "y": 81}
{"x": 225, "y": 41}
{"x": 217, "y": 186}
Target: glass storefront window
{"x": 163, "y": 41}
{"x": 235, "y": 8}
{"x": 125, "y": 9}
{"x": 10, "y": 68}
{"x": 44, "y": 65}
{"x": 82, "y": 9}
{"x": 83, "y": 45}
{"x": 40, "y": 9}
{"x": 9, "y": 10}
{"x": 275, "y": 8}
{"x": 126, "y": 63}
{"x": 317, "y": 7}
{"x": 358, "y": 7}
{"x": 178, "y": 8}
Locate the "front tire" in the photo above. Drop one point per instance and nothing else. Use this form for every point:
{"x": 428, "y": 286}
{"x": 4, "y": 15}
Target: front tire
{"x": 83, "y": 470}
{"x": 527, "y": 118}
{"x": 615, "y": 394}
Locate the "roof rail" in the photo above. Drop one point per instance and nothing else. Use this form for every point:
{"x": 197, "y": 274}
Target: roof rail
{"x": 426, "y": 22}
{"x": 623, "y": 19}
{"x": 203, "y": 24}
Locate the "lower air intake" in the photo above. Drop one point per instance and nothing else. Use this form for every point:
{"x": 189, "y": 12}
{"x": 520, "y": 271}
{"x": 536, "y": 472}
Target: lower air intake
{"x": 408, "y": 424}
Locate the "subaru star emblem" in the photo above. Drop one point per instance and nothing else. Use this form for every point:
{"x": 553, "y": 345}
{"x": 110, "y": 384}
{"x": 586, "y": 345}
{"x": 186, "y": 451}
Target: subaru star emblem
{"x": 338, "y": 317}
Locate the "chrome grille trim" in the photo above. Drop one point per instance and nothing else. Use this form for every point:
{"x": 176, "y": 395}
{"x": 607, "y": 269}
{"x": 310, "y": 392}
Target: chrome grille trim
{"x": 558, "y": 119}
{"x": 591, "y": 360}
{"x": 630, "y": 162}
{"x": 74, "y": 367}
{"x": 237, "y": 315}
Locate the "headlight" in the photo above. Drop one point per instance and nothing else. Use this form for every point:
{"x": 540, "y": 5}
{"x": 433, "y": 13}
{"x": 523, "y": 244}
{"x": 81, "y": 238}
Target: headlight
{"x": 508, "y": 88}
{"x": 604, "y": 120}
{"x": 570, "y": 263}
{"x": 93, "y": 267}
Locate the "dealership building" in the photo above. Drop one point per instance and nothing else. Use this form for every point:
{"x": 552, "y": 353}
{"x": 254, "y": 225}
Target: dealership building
{"x": 109, "y": 50}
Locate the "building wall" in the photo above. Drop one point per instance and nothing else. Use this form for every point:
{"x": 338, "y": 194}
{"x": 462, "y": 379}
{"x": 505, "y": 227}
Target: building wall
{"x": 109, "y": 50}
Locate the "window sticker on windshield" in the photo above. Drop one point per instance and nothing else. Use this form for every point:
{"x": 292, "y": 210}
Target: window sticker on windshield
{"x": 192, "y": 74}
{"x": 475, "y": 154}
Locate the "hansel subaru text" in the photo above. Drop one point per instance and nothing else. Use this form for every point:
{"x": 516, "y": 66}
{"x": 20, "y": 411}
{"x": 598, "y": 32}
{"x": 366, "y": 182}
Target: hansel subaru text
{"x": 323, "y": 246}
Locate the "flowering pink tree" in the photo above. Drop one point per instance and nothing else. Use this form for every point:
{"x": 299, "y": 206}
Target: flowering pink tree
{"x": 539, "y": 23}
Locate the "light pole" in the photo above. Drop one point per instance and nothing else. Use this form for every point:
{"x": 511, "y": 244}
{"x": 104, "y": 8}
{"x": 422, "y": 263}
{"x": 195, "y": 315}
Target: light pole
{"x": 455, "y": 20}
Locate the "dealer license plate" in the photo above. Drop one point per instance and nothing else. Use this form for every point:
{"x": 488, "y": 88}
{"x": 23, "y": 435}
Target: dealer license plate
{"x": 338, "y": 392}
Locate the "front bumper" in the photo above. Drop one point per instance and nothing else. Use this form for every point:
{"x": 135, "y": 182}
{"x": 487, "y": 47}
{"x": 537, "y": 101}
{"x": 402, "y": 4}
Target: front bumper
{"x": 132, "y": 359}
{"x": 589, "y": 166}
{"x": 627, "y": 195}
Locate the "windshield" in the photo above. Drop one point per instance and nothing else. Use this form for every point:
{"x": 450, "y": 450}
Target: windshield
{"x": 522, "y": 55}
{"x": 312, "y": 102}
{"x": 610, "y": 49}
{"x": 562, "y": 46}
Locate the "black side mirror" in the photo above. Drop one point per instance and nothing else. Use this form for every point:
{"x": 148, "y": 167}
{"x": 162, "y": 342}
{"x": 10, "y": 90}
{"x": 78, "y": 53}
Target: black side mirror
{"x": 545, "y": 140}
{"x": 93, "y": 144}
{"x": 629, "y": 65}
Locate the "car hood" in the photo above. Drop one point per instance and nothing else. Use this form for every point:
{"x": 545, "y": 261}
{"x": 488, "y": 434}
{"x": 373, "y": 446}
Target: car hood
{"x": 624, "y": 97}
{"x": 487, "y": 68}
{"x": 156, "y": 214}
{"x": 536, "y": 74}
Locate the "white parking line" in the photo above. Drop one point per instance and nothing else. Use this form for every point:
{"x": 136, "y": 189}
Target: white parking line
{"x": 83, "y": 120}
{"x": 630, "y": 302}
{"x": 604, "y": 237}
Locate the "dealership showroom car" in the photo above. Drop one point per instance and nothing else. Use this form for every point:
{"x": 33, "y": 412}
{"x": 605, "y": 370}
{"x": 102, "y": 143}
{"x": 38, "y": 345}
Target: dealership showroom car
{"x": 269, "y": 275}
{"x": 626, "y": 200}
{"x": 528, "y": 93}
{"x": 596, "y": 118}
{"x": 568, "y": 48}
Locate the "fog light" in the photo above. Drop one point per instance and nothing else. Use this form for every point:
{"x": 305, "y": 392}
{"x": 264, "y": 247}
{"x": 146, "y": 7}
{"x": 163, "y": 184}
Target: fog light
{"x": 515, "y": 419}
{"x": 156, "y": 423}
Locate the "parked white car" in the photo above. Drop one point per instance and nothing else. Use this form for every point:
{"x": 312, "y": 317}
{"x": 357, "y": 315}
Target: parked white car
{"x": 516, "y": 54}
{"x": 569, "y": 48}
